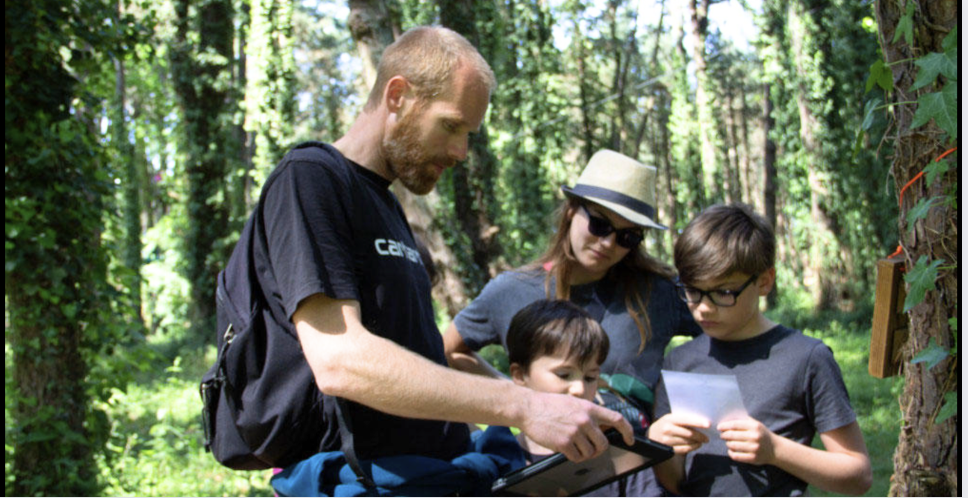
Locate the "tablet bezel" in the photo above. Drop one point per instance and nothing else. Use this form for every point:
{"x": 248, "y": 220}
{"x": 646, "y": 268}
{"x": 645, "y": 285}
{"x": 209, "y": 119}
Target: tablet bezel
{"x": 652, "y": 451}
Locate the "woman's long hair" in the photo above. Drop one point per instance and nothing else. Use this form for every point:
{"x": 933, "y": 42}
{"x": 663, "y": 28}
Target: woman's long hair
{"x": 635, "y": 265}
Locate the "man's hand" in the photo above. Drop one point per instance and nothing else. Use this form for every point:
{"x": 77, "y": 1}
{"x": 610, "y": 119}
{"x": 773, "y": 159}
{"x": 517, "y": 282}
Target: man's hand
{"x": 748, "y": 441}
{"x": 571, "y": 425}
{"x": 680, "y": 431}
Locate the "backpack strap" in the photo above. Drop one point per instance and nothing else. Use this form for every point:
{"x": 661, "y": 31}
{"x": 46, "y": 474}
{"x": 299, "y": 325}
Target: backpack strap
{"x": 346, "y": 438}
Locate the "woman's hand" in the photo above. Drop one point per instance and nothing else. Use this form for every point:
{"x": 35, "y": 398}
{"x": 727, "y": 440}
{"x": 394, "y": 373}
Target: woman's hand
{"x": 680, "y": 431}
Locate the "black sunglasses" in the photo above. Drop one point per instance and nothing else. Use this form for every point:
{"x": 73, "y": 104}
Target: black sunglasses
{"x": 600, "y": 227}
{"x": 720, "y": 297}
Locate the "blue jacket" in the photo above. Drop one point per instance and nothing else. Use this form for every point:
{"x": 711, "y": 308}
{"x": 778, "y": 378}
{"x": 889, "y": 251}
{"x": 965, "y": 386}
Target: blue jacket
{"x": 491, "y": 454}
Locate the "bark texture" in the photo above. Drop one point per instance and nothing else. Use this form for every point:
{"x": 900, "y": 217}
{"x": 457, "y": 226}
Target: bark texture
{"x": 926, "y": 462}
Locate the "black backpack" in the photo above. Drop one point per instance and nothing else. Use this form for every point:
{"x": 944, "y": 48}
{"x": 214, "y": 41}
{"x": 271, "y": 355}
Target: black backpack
{"x": 263, "y": 410}
{"x": 260, "y": 411}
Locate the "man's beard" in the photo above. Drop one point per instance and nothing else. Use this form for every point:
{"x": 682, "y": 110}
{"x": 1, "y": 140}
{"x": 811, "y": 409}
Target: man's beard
{"x": 407, "y": 159}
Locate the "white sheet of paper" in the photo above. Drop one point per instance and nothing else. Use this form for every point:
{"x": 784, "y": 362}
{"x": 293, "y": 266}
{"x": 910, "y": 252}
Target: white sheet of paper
{"x": 714, "y": 397}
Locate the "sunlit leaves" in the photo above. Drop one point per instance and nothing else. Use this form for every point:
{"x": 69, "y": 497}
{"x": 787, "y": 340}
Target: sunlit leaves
{"x": 880, "y": 76}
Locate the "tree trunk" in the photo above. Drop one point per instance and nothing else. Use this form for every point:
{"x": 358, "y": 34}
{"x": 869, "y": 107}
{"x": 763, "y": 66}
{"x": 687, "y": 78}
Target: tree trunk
{"x": 588, "y": 131}
{"x": 131, "y": 206}
{"x": 241, "y": 185}
{"x": 926, "y": 462}
{"x": 747, "y": 177}
{"x": 734, "y": 187}
{"x": 473, "y": 181}
{"x": 825, "y": 270}
{"x": 54, "y": 277}
{"x": 372, "y": 30}
{"x": 708, "y": 134}
{"x": 769, "y": 172}
{"x": 653, "y": 67}
{"x": 205, "y": 102}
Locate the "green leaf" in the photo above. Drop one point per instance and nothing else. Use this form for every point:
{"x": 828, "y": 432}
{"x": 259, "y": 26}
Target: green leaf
{"x": 950, "y": 407}
{"x": 869, "y": 109}
{"x": 869, "y": 112}
{"x": 920, "y": 280}
{"x": 905, "y": 25}
{"x": 953, "y": 327}
{"x": 931, "y": 66}
{"x": 858, "y": 144}
{"x": 69, "y": 310}
{"x": 920, "y": 210}
{"x": 950, "y": 43}
{"x": 942, "y": 107}
{"x": 932, "y": 355}
{"x": 881, "y": 76}
{"x": 36, "y": 437}
{"x": 934, "y": 169}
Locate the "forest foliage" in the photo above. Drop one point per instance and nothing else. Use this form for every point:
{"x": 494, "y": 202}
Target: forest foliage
{"x": 138, "y": 134}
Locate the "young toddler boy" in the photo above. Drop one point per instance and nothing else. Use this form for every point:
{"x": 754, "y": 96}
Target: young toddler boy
{"x": 790, "y": 383}
{"x": 556, "y": 347}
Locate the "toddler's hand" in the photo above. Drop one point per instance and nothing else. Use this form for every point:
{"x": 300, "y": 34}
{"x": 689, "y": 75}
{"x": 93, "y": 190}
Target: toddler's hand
{"x": 680, "y": 432}
{"x": 748, "y": 441}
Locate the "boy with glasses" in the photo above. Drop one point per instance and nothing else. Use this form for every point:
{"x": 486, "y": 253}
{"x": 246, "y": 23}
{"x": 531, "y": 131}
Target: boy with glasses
{"x": 790, "y": 383}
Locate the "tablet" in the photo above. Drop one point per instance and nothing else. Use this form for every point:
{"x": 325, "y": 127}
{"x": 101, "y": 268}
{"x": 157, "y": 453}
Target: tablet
{"x": 557, "y": 476}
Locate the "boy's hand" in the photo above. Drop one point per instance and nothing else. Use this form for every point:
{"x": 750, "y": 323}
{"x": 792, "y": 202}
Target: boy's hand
{"x": 679, "y": 431}
{"x": 748, "y": 441}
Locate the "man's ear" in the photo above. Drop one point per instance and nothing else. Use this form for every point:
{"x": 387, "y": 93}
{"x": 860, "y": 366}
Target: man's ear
{"x": 517, "y": 374}
{"x": 764, "y": 283}
{"x": 396, "y": 94}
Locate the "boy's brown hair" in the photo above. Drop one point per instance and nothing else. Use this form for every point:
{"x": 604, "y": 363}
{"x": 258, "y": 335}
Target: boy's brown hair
{"x": 722, "y": 240}
{"x": 546, "y": 327}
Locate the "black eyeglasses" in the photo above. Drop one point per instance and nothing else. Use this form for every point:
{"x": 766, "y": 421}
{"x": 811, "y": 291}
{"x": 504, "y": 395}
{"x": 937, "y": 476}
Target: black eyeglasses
{"x": 719, "y": 297}
{"x": 601, "y": 227}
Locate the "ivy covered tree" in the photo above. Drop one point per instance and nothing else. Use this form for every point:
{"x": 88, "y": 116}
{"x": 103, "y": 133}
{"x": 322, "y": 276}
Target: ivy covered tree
{"x": 271, "y": 95}
{"x": 56, "y": 186}
{"x": 919, "y": 74}
{"x": 201, "y": 55}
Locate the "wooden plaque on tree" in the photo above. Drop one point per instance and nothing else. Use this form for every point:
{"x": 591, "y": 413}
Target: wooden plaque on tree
{"x": 889, "y": 331}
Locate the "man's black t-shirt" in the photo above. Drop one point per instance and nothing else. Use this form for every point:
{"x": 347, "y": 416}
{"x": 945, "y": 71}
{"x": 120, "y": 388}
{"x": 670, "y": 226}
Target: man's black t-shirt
{"x": 327, "y": 225}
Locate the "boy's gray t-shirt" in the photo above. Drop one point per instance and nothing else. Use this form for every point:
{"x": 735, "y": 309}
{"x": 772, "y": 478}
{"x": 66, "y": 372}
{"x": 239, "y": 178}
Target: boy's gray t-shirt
{"x": 485, "y": 321}
{"x": 790, "y": 382}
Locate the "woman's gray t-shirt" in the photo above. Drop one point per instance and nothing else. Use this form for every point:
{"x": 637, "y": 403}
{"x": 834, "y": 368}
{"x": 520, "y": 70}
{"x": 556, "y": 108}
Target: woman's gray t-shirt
{"x": 485, "y": 321}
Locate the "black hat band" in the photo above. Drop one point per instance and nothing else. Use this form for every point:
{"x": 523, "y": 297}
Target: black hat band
{"x": 605, "y": 194}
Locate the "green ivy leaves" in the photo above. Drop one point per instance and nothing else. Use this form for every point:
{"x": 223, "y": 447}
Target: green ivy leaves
{"x": 920, "y": 210}
{"x": 932, "y": 355}
{"x": 921, "y": 280}
{"x": 942, "y": 106}
{"x": 881, "y": 76}
{"x": 935, "y": 64}
{"x": 905, "y": 26}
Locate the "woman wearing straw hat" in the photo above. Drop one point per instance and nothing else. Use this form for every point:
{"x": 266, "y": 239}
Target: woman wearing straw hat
{"x": 597, "y": 251}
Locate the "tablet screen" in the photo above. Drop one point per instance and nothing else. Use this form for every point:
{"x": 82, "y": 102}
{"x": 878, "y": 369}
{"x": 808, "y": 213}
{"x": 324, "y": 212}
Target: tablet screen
{"x": 556, "y": 476}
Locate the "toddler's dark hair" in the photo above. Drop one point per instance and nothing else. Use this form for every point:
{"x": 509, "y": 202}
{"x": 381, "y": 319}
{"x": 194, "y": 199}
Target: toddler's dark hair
{"x": 546, "y": 327}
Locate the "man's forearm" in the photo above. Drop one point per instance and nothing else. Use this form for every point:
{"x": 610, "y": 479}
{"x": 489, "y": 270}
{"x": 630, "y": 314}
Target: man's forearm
{"x": 350, "y": 362}
{"x": 383, "y": 375}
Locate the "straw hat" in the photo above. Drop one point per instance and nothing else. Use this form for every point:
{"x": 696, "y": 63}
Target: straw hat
{"x": 621, "y": 184}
